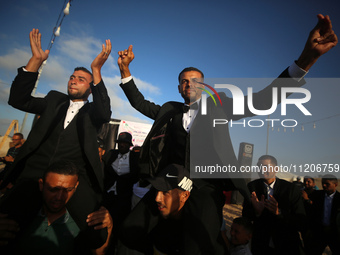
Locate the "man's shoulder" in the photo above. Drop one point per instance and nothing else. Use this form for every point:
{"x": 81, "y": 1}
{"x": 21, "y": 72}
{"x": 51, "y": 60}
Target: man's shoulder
{"x": 172, "y": 104}
{"x": 256, "y": 181}
{"x": 12, "y": 148}
{"x": 286, "y": 186}
{"x": 317, "y": 194}
{"x": 110, "y": 154}
{"x": 57, "y": 94}
{"x": 255, "y": 185}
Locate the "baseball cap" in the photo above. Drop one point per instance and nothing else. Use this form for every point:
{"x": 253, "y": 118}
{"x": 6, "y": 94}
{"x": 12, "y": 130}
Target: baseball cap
{"x": 171, "y": 177}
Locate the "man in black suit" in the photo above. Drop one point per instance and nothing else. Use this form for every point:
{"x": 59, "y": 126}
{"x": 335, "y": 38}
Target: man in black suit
{"x": 168, "y": 140}
{"x": 324, "y": 220}
{"x": 121, "y": 171}
{"x": 67, "y": 130}
{"x": 277, "y": 211}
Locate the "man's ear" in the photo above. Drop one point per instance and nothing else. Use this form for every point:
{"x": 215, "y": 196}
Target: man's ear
{"x": 41, "y": 184}
{"x": 179, "y": 88}
{"x": 184, "y": 196}
{"x": 76, "y": 185}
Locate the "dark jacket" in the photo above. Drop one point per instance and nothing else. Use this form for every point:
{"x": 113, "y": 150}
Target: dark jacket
{"x": 283, "y": 228}
{"x": 90, "y": 118}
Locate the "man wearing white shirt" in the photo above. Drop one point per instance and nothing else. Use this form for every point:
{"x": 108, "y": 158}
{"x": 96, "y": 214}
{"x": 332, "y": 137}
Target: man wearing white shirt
{"x": 174, "y": 133}
{"x": 276, "y": 210}
{"x": 121, "y": 171}
{"x": 66, "y": 130}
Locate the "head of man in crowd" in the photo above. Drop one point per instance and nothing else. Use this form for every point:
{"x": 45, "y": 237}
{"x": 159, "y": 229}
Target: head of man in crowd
{"x": 17, "y": 139}
{"x": 58, "y": 185}
{"x": 78, "y": 87}
{"x": 241, "y": 231}
{"x": 124, "y": 142}
{"x": 309, "y": 183}
{"x": 268, "y": 168}
{"x": 173, "y": 186}
{"x": 189, "y": 86}
{"x": 329, "y": 183}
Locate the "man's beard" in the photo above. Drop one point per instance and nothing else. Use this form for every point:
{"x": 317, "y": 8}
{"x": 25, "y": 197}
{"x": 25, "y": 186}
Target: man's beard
{"x": 79, "y": 95}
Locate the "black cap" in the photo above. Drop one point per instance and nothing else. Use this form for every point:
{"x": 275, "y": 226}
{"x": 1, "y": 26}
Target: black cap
{"x": 125, "y": 137}
{"x": 171, "y": 177}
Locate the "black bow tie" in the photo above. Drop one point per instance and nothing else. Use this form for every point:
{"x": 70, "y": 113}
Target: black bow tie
{"x": 186, "y": 108}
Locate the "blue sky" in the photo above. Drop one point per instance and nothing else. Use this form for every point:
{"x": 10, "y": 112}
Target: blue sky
{"x": 227, "y": 39}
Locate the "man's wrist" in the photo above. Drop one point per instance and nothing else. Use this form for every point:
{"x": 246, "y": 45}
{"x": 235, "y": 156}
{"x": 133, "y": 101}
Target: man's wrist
{"x": 127, "y": 79}
{"x": 124, "y": 71}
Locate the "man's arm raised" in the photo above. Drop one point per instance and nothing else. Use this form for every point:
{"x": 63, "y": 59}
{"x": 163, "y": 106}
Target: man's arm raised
{"x": 124, "y": 60}
{"x": 99, "y": 61}
{"x": 38, "y": 55}
{"x": 321, "y": 39}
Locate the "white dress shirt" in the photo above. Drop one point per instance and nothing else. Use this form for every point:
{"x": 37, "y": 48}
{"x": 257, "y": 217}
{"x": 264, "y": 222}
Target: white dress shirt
{"x": 72, "y": 110}
{"x": 121, "y": 166}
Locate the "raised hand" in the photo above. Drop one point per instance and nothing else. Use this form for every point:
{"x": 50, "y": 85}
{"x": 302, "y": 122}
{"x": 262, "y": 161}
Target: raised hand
{"x": 38, "y": 55}
{"x": 272, "y": 205}
{"x": 321, "y": 39}
{"x": 99, "y": 61}
{"x": 258, "y": 205}
{"x": 125, "y": 58}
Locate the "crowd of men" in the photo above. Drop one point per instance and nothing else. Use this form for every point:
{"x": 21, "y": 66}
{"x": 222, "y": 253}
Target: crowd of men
{"x": 64, "y": 194}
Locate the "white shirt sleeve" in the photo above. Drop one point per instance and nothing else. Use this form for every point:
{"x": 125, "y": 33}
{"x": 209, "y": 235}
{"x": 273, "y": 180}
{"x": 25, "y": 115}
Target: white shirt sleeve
{"x": 126, "y": 80}
{"x": 296, "y": 72}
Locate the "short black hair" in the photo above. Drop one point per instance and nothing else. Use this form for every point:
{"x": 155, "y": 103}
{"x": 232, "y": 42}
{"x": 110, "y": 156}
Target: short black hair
{"x": 81, "y": 68}
{"x": 330, "y": 177}
{"x": 245, "y": 222}
{"x": 269, "y": 157}
{"x": 189, "y": 69}
{"x": 19, "y": 134}
{"x": 308, "y": 177}
{"x": 62, "y": 167}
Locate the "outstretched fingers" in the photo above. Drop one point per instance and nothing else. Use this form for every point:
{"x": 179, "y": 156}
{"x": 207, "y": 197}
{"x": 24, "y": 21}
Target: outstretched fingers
{"x": 106, "y": 48}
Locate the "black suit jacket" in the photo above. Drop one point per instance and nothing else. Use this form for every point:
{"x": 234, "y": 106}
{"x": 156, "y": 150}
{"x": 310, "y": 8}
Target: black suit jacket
{"x": 124, "y": 182}
{"x": 90, "y": 118}
{"x": 318, "y": 198}
{"x": 202, "y": 133}
{"x": 283, "y": 229}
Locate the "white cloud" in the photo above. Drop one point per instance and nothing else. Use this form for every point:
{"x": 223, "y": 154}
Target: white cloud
{"x": 120, "y": 106}
{"x": 80, "y": 49}
{"x": 147, "y": 87}
{"x": 14, "y": 59}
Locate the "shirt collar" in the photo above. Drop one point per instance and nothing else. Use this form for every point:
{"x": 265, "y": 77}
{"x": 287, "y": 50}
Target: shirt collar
{"x": 331, "y": 195}
{"x": 122, "y": 155}
{"x": 270, "y": 185}
{"x": 79, "y": 104}
{"x": 198, "y": 101}
{"x": 61, "y": 220}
